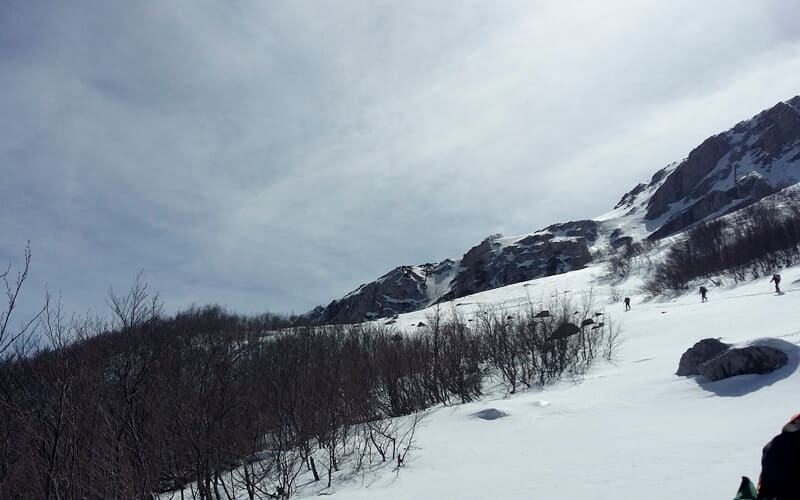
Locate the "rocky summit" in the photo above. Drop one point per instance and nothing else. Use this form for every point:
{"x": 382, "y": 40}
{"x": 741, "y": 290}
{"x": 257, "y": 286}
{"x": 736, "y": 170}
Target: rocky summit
{"x": 730, "y": 170}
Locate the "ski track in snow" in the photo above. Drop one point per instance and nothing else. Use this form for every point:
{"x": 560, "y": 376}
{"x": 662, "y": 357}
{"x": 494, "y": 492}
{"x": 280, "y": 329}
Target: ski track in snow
{"x": 631, "y": 428}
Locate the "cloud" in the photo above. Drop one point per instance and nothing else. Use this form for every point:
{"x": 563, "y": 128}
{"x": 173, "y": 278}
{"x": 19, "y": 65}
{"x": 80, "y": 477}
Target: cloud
{"x": 275, "y": 156}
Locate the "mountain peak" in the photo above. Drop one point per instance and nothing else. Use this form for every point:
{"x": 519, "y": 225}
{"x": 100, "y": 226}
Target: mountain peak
{"x": 710, "y": 179}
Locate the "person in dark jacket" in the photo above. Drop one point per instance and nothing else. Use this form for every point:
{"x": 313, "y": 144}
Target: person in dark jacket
{"x": 780, "y": 465}
{"x": 627, "y": 303}
{"x": 776, "y": 278}
{"x": 703, "y": 292}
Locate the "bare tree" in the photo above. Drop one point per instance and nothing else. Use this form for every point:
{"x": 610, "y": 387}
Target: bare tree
{"x": 13, "y": 287}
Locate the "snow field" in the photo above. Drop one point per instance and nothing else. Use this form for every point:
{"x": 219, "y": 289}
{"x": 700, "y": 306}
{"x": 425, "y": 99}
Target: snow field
{"x": 630, "y": 428}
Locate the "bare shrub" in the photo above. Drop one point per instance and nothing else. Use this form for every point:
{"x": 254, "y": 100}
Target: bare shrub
{"x": 207, "y": 404}
{"x": 760, "y": 239}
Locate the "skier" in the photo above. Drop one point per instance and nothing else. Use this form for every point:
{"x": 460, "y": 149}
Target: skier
{"x": 627, "y": 303}
{"x": 777, "y": 279}
{"x": 780, "y": 463}
{"x": 703, "y": 292}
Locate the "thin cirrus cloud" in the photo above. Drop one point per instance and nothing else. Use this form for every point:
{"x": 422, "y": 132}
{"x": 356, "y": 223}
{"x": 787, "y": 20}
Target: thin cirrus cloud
{"x": 273, "y": 156}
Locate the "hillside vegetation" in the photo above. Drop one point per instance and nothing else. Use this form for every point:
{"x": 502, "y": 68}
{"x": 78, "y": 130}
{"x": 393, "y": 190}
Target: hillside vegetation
{"x": 218, "y": 405}
{"x": 754, "y": 242}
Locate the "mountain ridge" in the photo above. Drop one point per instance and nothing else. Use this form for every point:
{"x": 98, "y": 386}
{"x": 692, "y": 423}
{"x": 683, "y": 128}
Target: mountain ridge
{"x": 724, "y": 173}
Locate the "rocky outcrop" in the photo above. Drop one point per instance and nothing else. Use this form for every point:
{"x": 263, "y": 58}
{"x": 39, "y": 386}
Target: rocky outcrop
{"x": 776, "y": 128}
{"x": 683, "y": 179}
{"x": 731, "y": 170}
{"x": 629, "y": 197}
{"x": 566, "y": 330}
{"x": 632, "y": 201}
{"x": 716, "y": 360}
{"x": 404, "y": 289}
{"x": 618, "y": 239}
{"x": 746, "y": 193}
{"x": 698, "y": 354}
{"x": 754, "y": 359}
{"x": 489, "y": 414}
{"x": 495, "y": 262}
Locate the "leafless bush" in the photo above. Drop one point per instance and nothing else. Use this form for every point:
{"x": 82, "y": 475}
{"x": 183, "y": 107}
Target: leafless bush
{"x": 542, "y": 342}
{"x": 763, "y": 237}
{"x": 206, "y": 404}
{"x": 612, "y": 341}
{"x": 621, "y": 261}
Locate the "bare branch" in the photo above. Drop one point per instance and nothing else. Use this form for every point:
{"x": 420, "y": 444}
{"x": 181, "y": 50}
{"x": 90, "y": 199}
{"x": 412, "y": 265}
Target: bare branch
{"x": 12, "y": 290}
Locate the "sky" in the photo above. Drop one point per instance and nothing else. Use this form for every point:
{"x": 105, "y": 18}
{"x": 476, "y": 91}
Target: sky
{"x": 271, "y": 156}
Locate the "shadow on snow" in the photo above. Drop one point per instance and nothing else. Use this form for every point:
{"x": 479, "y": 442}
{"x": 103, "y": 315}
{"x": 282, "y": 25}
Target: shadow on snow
{"x": 741, "y": 385}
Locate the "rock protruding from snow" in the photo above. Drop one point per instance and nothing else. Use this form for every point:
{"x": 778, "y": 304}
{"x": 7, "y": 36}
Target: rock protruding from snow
{"x": 565, "y": 330}
{"x": 753, "y": 359}
{"x": 716, "y": 360}
{"x": 490, "y": 414}
{"x": 698, "y": 354}
{"x": 494, "y": 262}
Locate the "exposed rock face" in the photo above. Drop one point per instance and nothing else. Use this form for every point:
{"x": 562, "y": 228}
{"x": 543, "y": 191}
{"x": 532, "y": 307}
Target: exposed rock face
{"x": 632, "y": 200}
{"x": 717, "y": 360}
{"x": 755, "y": 187}
{"x": 730, "y": 170}
{"x": 698, "y": 354}
{"x": 756, "y": 359}
{"x": 493, "y": 263}
{"x": 404, "y": 289}
{"x": 683, "y": 180}
{"x": 628, "y": 198}
{"x": 618, "y": 239}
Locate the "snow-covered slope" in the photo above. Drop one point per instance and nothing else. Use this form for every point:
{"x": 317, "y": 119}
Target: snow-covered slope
{"x": 631, "y": 428}
{"x": 725, "y": 172}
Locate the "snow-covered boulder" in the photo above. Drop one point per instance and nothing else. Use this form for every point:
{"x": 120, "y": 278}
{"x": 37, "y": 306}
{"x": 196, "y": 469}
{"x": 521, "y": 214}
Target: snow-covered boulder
{"x": 698, "y": 354}
{"x": 716, "y": 360}
{"x": 756, "y": 359}
{"x": 490, "y": 414}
